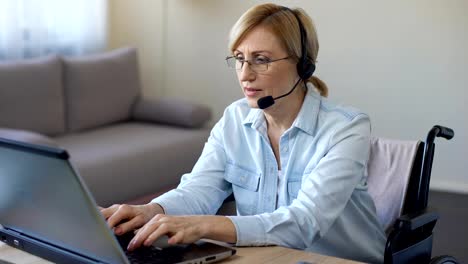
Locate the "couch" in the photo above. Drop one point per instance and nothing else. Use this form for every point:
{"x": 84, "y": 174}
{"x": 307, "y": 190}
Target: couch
{"x": 124, "y": 146}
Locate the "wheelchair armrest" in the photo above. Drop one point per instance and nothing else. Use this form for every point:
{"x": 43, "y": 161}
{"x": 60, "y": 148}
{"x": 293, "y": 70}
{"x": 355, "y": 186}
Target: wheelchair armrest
{"x": 412, "y": 221}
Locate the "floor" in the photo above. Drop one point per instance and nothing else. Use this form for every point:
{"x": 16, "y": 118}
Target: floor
{"x": 451, "y": 230}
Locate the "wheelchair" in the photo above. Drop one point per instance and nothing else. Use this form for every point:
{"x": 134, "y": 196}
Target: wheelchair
{"x": 410, "y": 239}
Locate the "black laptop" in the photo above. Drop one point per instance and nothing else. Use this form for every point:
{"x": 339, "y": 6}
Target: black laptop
{"x": 47, "y": 210}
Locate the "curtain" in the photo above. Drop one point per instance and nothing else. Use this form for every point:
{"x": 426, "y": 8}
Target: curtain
{"x": 32, "y": 28}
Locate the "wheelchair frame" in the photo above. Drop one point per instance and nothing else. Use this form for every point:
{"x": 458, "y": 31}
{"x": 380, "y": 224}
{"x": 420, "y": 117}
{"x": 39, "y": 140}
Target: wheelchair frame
{"x": 410, "y": 240}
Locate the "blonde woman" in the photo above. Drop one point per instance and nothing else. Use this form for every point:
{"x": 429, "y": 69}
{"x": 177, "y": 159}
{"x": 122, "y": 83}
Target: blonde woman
{"x": 295, "y": 162}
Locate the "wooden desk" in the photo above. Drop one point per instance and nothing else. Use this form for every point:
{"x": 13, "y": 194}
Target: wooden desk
{"x": 270, "y": 255}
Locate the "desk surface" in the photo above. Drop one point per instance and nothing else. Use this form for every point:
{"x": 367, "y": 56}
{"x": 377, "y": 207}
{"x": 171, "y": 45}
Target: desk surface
{"x": 269, "y": 255}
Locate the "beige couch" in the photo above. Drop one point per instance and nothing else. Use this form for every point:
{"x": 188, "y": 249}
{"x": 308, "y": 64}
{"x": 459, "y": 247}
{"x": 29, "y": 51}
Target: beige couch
{"x": 124, "y": 146}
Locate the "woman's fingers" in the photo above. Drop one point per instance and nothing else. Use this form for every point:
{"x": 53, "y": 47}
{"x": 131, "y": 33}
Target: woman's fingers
{"x": 133, "y": 224}
{"x": 178, "y": 238}
{"x": 158, "y": 232}
{"x": 122, "y": 212}
{"x": 107, "y": 212}
{"x": 145, "y": 232}
{"x": 180, "y": 229}
{"x": 124, "y": 218}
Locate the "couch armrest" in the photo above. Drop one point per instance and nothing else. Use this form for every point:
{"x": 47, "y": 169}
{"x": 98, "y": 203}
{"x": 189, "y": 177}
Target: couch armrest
{"x": 27, "y": 136}
{"x": 171, "y": 111}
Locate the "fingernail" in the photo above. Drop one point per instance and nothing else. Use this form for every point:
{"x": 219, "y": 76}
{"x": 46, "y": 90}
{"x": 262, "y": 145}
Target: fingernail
{"x": 130, "y": 245}
{"x": 118, "y": 231}
{"x": 147, "y": 243}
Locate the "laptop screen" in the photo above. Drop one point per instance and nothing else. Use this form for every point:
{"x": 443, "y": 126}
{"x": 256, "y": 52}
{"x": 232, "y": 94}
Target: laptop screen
{"x": 42, "y": 197}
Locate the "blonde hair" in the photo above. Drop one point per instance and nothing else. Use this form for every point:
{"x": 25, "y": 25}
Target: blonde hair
{"x": 283, "y": 23}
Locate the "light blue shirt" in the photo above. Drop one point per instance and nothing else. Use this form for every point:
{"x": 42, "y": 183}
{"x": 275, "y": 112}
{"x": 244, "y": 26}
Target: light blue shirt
{"x": 323, "y": 155}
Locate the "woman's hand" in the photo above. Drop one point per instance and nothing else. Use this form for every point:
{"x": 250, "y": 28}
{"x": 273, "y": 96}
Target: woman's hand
{"x": 124, "y": 218}
{"x": 184, "y": 230}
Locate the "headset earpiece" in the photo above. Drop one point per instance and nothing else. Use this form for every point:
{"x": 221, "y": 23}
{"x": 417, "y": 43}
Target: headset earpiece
{"x": 305, "y": 66}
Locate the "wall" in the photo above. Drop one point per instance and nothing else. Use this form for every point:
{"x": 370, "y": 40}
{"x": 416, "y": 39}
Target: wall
{"x": 140, "y": 24}
{"x": 403, "y": 62}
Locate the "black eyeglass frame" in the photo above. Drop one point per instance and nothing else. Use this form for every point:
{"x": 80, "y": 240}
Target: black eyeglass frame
{"x": 233, "y": 66}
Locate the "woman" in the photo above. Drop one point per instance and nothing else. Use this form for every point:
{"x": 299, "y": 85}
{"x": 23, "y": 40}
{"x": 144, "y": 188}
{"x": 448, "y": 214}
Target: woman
{"x": 295, "y": 162}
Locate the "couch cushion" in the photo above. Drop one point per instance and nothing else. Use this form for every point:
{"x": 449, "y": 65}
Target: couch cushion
{"x": 100, "y": 89}
{"x": 126, "y": 161}
{"x": 171, "y": 111}
{"x": 31, "y": 95}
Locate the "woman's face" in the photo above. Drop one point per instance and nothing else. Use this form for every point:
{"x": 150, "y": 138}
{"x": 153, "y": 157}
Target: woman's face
{"x": 261, "y": 44}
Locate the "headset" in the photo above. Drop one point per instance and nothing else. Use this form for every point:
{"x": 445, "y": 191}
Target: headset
{"x": 305, "y": 67}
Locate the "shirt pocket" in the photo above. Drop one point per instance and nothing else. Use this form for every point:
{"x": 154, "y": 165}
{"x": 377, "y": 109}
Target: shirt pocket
{"x": 294, "y": 185}
{"x": 245, "y": 185}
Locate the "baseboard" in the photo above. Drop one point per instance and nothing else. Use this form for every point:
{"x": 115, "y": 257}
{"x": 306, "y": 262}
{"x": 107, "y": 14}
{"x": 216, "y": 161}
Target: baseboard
{"x": 449, "y": 186}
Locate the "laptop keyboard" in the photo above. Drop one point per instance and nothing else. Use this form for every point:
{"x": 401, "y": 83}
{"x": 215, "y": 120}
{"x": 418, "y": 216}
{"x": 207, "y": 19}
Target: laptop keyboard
{"x": 150, "y": 255}
{"x": 144, "y": 255}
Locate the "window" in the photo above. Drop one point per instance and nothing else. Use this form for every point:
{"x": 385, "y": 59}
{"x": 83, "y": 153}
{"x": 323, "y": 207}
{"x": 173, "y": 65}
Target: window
{"x": 31, "y": 28}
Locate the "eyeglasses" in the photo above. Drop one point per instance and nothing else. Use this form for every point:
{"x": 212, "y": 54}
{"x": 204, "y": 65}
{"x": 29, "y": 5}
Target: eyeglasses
{"x": 256, "y": 65}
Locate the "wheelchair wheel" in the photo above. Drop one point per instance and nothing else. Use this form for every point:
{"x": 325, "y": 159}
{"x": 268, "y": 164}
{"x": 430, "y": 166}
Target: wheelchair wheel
{"x": 445, "y": 259}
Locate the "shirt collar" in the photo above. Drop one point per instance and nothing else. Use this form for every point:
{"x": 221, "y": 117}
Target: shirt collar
{"x": 306, "y": 120}
{"x": 255, "y": 118}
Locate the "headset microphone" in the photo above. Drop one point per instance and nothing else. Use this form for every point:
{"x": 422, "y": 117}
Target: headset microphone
{"x": 268, "y": 101}
{"x": 305, "y": 66}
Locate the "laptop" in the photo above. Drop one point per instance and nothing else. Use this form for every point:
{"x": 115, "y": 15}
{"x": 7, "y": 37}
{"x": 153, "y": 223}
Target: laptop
{"x": 47, "y": 210}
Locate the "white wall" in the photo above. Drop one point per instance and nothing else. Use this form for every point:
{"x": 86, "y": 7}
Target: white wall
{"x": 403, "y": 62}
{"x": 140, "y": 24}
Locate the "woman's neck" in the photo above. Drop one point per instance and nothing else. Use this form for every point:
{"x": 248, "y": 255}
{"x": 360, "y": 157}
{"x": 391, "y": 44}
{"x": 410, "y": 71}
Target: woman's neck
{"x": 282, "y": 114}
